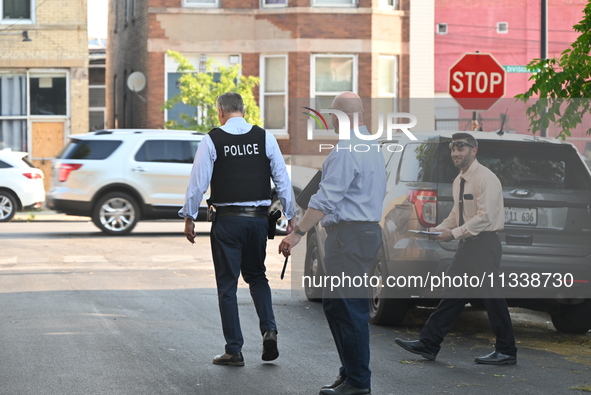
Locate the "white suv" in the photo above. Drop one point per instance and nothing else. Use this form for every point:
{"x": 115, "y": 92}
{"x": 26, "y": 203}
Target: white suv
{"x": 121, "y": 176}
{"x": 21, "y": 184}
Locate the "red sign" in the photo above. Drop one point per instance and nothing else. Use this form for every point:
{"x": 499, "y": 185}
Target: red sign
{"x": 477, "y": 81}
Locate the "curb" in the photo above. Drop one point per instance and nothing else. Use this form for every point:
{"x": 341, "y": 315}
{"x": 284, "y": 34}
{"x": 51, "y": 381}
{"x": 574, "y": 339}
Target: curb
{"x": 47, "y": 216}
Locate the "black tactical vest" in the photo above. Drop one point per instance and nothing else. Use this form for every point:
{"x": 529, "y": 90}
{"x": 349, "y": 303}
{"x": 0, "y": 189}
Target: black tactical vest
{"x": 241, "y": 171}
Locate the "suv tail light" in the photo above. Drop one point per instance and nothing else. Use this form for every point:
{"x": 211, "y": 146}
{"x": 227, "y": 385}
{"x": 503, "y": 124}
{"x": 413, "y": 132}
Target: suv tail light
{"x": 33, "y": 176}
{"x": 425, "y": 202}
{"x": 66, "y": 169}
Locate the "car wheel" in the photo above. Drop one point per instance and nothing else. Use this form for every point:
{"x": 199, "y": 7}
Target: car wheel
{"x": 312, "y": 269}
{"x": 384, "y": 310}
{"x": 116, "y": 213}
{"x": 574, "y": 318}
{"x": 281, "y": 228}
{"x": 8, "y": 206}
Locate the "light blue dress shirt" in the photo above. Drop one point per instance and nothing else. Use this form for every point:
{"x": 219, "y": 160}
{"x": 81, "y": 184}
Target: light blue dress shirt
{"x": 353, "y": 184}
{"x": 203, "y": 169}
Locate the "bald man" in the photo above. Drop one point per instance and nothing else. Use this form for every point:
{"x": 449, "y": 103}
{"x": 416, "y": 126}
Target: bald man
{"x": 349, "y": 206}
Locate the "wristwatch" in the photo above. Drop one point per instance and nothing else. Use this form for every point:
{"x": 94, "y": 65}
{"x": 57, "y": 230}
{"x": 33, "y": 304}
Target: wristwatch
{"x": 298, "y": 231}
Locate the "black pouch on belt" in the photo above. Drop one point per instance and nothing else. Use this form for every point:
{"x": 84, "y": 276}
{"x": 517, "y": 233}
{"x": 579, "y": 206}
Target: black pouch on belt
{"x": 273, "y": 217}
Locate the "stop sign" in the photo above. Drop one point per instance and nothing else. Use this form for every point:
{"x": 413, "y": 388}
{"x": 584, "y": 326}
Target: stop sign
{"x": 477, "y": 81}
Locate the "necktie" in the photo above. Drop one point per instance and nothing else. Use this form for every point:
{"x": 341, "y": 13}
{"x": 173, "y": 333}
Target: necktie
{"x": 462, "y": 183}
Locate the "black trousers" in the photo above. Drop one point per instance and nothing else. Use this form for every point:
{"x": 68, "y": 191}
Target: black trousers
{"x": 238, "y": 245}
{"x": 473, "y": 258}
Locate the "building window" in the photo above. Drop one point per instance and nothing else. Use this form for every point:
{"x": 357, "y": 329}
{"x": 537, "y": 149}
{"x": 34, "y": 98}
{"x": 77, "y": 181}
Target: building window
{"x": 96, "y": 107}
{"x": 331, "y": 75}
{"x": 23, "y": 96}
{"x": 388, "y": 76}
{"x": 17, "y": 11}
{"x": 389, "y": 3}
{"x": 442, "y": 28}
{"x": 48, "y": 95}
{"x": 129, "y": 10}
{"x": 387, "y": 84}
{"x": 273, "y": 3}
{"x": 334, "y": 3}
{"x": 274, "y": 77}
{"x": 200, "y": 3}
{"x": 96, "y": 97}
{"x": 502, "y": 27}
{"x": 199, "y": 62}
{"x": 13, "y": 105}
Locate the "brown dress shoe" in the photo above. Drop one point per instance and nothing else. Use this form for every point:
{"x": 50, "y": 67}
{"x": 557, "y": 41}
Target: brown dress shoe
{"x": 229, "y": 359}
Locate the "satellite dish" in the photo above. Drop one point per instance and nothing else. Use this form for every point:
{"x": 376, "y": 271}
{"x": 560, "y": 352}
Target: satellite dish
{"x": 136, "y": 81}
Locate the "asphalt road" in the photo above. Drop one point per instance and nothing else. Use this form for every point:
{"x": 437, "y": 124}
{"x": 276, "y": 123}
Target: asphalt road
{"x": 84, "y": 313}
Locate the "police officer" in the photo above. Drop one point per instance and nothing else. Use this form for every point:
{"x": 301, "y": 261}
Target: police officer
{"x": 349, "y": 204}
{"x": 239, "y": 160}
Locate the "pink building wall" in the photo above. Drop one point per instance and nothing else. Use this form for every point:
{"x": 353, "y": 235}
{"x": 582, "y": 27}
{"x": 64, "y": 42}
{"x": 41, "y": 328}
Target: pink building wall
{"x": 472, "y": 26}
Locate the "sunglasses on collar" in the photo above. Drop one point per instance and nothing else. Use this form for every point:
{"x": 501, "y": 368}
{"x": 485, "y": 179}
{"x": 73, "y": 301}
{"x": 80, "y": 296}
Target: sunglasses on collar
{"x": 459, "y": 144}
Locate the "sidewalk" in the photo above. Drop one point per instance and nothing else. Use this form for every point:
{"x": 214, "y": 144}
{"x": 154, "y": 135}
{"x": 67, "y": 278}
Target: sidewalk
{"x": 46, "y": 215}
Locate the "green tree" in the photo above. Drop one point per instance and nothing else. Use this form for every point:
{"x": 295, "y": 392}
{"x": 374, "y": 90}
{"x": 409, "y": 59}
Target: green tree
{"x": 563, "y": 85}
{"x": 200, "y": 90}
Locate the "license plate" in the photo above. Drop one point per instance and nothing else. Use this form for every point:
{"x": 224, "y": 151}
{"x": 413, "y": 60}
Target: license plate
{"x": 521, "y": 216}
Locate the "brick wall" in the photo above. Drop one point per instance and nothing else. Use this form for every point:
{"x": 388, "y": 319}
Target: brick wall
{"x": 127, "y": 53}
{"x": 266, "y": 31}
{"x": 59, "y": 41}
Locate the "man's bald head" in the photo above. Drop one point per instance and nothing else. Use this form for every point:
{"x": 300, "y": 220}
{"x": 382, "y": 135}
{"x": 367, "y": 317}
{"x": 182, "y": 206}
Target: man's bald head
{"x": 349, "y": 103}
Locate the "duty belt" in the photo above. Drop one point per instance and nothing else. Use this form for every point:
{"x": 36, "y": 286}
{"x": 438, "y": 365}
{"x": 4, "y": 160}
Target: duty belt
{"x": 243, "y": 211}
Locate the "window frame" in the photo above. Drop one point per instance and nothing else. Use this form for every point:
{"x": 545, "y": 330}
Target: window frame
{"x": 265, "y": 5}
{"x": 36, "y": 73}
{"x": 129, "y": 11}
{"x": 441, "y": 28}
{"x": 196, "y": 4}
{"x": 393, "y": 6}
{"x": 197, "y": 59}
{"x": 395, "y": 81}
{"x": 284, "y": 93}
{"x": 30, "y": 21}
{"x": 505, "y": 24}
{"x": 313, "y": 94}
{"x": 315, "y": 56}
{"x": 353, "y": 4}
{"x": 27, "y": 117}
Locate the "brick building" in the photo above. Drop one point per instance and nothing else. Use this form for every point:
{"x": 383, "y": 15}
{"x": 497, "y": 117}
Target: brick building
{"x": 301, "y": 49}
{"x": 43, "y": 76}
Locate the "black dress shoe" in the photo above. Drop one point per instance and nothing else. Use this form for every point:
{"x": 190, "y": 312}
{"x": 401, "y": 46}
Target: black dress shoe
{"x": 345, "y": 389}
{"x": 416, "y": 347}
{"x": 497, "y": 358}
{"x": 229, "y": 359}
{"x": 270, "y": 351}
{"x": 340, "y": 380}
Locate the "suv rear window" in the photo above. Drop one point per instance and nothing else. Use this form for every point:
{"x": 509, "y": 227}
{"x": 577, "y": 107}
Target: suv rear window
{"x": 167, "y": 151}
{"x": 517, "y": 164}
{"x": 89, "y": 149}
